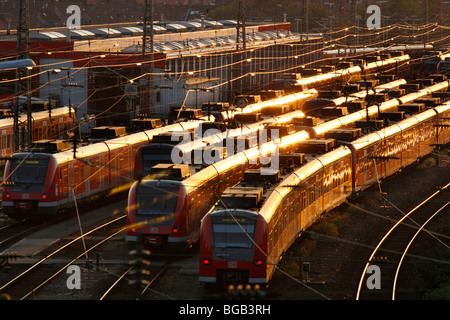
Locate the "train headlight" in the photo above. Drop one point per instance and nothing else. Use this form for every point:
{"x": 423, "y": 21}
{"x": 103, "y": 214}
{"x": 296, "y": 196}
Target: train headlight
{"x": 206, "y": 262}
{"x": 7, "y": 195}
{"x": 44, "y": 196}
{"x": 258, "y": 263}
{"x": 176, "y": 230}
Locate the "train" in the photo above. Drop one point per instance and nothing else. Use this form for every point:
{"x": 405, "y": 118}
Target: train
{"x": 353, "y": 72}
{"x": 152, "y": 154}
{"x": 149, "y": 155}
{"x": 62, "y": 172}
{"x": 177, "y": 197}
{"x": 45, "y": 126}
{"x": 333, "y": 79}
{"x": 40, "y": 185}
{"x": 166, "y": 209}
{"x": 241, "y": 245}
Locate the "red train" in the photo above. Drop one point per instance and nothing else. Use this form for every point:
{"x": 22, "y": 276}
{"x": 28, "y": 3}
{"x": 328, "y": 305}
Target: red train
{"x": 44, "y": 127}
{"x": 168, "y": 212}
{"x": 195, "y": 195}
{"x": 245, "y": 246}
{"x": 37, "y": 185}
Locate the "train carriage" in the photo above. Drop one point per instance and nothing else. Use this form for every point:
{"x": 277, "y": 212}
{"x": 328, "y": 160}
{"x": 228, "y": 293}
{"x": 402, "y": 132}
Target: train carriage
{"x": 395, "y": 147}
{"x": 194, "y": 195}
{"x": 94, "y": 171}
{"x": 316, "y": 202}
{"x": 293, "y": 206}
{"x": 315, "y": 188}
{"x": 45, "y": 126}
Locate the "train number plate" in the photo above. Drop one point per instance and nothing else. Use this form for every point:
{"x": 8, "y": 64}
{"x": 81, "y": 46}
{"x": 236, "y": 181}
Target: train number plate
{"x": 23, "y": 205}
{"x": 154, "y": 230}
{"x": 232, "y": 264}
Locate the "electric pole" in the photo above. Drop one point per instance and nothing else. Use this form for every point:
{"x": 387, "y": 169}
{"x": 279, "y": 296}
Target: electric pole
{"x": 23, "y": 86}
{"x": 240, "y": 36}
{"x": 147, "y": 97}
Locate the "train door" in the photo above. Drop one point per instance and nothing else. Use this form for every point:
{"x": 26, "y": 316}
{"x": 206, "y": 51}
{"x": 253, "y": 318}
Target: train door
{"x": 94, "y": 181}
{"x": 112, "y": 169}
{"x": 326, "y": 186}
{"x": 291, "y": 234}
{"x": 70, "y": 181}
{"x": 64, "y": 182}
{"x": 312, "y": 200}
{"x": 45, "y": 130}
{"x": 60, "y": 127}
{"x": 122, "y": 169}
{"x": 302, "y": 209}
{"x": 4, "y": 143}
{"x": 198, "y": 208}
{"x": 9, "y": 142}
{"x": 283, "y": 221}
{"x": 431, "y": 136}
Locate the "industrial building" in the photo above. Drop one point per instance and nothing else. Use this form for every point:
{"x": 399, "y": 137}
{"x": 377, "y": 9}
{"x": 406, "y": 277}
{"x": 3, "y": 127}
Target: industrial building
{"x": 103, "y": 71}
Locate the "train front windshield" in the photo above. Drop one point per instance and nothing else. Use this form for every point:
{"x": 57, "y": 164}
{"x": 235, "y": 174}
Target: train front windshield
{"x": 28, "y": 175}
{"x": 156, "y": 204}
{"x": 154, "y": 154}
{"x": 233, "y": 238}
{"x": 150, "y": 160}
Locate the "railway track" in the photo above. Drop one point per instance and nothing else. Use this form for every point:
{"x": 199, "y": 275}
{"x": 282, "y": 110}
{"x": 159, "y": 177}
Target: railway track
{"x": 29, "y": 280}
{"x": 42, "y": 284}
{"x": 126, "y": 286}
{"x": 382, "y": 272}
{"x": 15, "y": 231}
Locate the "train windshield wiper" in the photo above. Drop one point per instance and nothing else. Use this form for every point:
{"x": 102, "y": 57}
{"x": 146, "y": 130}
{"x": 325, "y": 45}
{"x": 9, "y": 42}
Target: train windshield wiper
{"x": 233, "y": 247}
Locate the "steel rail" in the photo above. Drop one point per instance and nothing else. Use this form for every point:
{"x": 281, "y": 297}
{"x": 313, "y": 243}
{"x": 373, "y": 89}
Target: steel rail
{"x": 32, "y": 292}
{"x": 115, "y": 283}
{"x": 388, "y": 233}
{"x": 56, "y": 251}
{"x": 397, "y": 272}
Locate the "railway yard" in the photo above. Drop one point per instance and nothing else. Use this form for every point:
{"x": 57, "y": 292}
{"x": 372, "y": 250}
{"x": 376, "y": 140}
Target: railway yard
{"x": 331, "y": 184}
{"x": 336, "y": 259}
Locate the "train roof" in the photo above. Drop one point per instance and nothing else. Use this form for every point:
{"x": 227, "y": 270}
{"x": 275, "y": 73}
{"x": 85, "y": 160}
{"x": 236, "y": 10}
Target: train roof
{"x": 393, "y": 129}
{"x": 296, "y": 178}
{"x": 136, "y": 138}
{"x": 37, "y": 115}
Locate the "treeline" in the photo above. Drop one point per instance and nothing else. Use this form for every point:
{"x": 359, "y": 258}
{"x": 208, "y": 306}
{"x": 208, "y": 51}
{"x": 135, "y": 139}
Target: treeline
{"x": 410, "y": 11}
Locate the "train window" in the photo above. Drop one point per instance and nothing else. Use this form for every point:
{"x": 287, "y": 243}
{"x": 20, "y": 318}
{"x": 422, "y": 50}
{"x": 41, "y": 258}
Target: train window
{"x": 94, "y": 175}
{"x": 65, "y": 180}
{"x": 151, "y": 159}
{"x": 232, "y": 240}
{"x": 76, "y": 175}
{"x": 28, "y": 173}
{"x": 155, "y": 202}
{"x": 3, "y": 139}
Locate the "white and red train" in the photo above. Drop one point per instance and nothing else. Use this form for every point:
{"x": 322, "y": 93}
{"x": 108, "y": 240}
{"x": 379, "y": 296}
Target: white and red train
{"x": 97, "y": 169}
{"x": 38, "y": 184}
{"x": 149, "y": 155}
{"x": 241, "y": 245}
{"x": 45, "y": 126}
{"x": 167, "y": 212}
